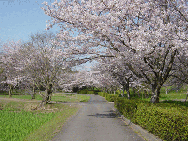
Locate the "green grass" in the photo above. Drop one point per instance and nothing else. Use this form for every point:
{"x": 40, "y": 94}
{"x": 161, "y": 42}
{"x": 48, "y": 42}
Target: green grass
{"x": 18, "y": 122}
{"x": 48, "y": 130}
{"x": 172, "y": 95}
{"x": 17, "y": 125}
{"x": 55, "y": 97}
{"x": 70, "y": 97}
{"x": 21, "y": 121}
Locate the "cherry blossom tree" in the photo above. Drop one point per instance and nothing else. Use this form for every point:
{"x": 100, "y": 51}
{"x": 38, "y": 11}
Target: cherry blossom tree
{"x": 104, "y": 79}
{"x": 44, "y": 61}
{"x": 2, "y": 76}
{"x": 179, "y": 75}
{"x": 11, "y": 66}
{"x": 81, "y": 79}
{"x": 148, "y": 33}
{"x": 180, "y": 72}
{"x": 116, "y": 68}
{"x": 38, "y": 62}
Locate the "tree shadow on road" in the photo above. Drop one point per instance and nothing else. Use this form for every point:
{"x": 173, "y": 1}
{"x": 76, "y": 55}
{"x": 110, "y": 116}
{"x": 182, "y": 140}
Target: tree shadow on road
{"x": 110, "y": 115}
{"x": 109, "y": 111}
{"x": 98, "y": 101}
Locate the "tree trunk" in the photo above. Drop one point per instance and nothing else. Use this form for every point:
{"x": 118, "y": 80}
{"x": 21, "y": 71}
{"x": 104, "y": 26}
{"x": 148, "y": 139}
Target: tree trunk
{"x": 44, "y": 101}
{"x": 10, "y": 91}
{"x": 138, "y": 92}
{"x": 155, "y": 94}
{"x": 134, "y": 91}
{"x": 149, "y": 93}
{"x": 186, "y": 96}
{"x": 166, "y": 89}
{"x": 128, "y": 92}
{"x": 34, "y": 93}
{"x": 47, "y": 97}
{"x": 48, "y": 93}
{"x": 127, "y": 89}
{"x": 145, "y": 94}
{"x": 123, "y": 92}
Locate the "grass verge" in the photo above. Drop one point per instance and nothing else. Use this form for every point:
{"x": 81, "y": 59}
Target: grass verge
{"x": 48, "y": 130}
{"x": 20, "y": 122}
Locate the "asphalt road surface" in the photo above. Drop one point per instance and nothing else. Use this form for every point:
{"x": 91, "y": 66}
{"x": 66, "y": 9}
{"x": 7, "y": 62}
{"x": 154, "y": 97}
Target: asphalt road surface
{"x": 96, "y": 121}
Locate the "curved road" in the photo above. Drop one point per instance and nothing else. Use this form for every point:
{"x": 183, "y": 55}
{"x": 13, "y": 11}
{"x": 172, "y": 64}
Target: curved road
{"x": 96, "y": 121}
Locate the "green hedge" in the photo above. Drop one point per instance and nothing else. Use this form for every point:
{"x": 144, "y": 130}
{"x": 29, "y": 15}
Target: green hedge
{"x": 169, "y": 124}
{"x": 90, "y": 92}
{"x": 111, "y": 97}
{"x": 103, "y": 94}
{"x": 100, "y": 93}
{"x": 85, "y": 92}
{"x": 166, "y": 120}
{"x": 127, "y": 107}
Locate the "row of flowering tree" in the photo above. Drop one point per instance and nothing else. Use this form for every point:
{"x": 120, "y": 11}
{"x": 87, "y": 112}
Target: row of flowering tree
{"x": 147, "y": 37}
{"x": 35, "y": 64}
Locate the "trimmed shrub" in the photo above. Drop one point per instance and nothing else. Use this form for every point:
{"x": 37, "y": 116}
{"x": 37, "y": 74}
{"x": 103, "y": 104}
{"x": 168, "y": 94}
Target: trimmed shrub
{"x": 118, "y": 92}
{"x": 125, "y": 106}
{"x": 104, "y": 94}
{"x": 111, "y": 97}
{"x": 170, "y": 124}
{"x": 90, "y": 92}
{"x": 100, "y": 93}
{"x": 86, "y": 92}
{"x": 166, "y": 120}
{"x": 82, "y": 92}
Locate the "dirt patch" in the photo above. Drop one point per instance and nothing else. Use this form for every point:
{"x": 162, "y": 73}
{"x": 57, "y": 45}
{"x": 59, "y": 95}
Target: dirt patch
{"x": 31, "y": 106}
{"x": 28, "y": 106}
{"x": 34, "y": 105}
{"x": 17, "y": 100}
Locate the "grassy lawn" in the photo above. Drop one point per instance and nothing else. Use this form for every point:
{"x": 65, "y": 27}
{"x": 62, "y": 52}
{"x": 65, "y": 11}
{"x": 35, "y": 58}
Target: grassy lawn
{"x": 172, "y": 95}
{"x": 19, "y": 122}
{"x": 70, "y": 97}
{"x": 59, "y": 97}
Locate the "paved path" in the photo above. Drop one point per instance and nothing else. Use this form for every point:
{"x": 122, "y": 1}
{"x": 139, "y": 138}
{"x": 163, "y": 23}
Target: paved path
{"x": 96, "y": 121}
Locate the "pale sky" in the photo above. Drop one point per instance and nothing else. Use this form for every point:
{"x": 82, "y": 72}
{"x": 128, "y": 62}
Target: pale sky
{"x": 20, "y": 18}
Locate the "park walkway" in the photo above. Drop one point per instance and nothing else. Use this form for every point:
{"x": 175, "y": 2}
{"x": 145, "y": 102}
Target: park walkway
{"x": 96, "y": 121}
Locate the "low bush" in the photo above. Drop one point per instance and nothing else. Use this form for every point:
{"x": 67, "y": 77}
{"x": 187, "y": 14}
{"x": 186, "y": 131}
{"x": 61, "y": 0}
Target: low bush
{"x": 103, "y": 94}
{"x": 100, "y": 93}
{"x": 111, "y": 97}
{"x": 90, "y": 92}
{"x": 82, "y": 92}
{"x": 125, "y": 106}
{"x": 169, "y": 121}
{"x": 85, "y": 92}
